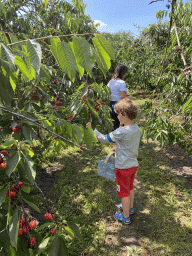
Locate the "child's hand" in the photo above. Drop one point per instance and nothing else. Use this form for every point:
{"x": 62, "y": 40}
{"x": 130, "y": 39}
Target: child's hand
{"x": 114, "y": 147}
{"x": 89, "y": 124}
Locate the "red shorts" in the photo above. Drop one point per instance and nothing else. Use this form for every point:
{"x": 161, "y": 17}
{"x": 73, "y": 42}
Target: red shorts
{"x": 124, "y": 180}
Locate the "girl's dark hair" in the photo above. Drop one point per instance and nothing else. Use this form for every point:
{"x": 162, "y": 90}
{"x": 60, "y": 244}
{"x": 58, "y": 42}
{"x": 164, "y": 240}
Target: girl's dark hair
{"x": 120, "y": 71}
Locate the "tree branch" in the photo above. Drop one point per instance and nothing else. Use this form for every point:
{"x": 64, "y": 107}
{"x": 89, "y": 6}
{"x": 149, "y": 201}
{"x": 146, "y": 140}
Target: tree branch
{"x": 35, "y": 121}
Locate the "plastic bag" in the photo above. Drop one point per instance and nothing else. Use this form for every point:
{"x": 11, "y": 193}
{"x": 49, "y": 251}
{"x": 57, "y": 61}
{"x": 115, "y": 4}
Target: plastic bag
{"x": 107, "y": 169}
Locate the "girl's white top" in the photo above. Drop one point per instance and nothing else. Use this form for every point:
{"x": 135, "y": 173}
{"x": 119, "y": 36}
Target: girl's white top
{"x": 116, "y": 86}
{"x": 127, "y": 141}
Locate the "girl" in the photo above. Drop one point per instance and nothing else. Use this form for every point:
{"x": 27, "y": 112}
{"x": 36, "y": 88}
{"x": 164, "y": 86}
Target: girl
{"x": 118, "y": 91}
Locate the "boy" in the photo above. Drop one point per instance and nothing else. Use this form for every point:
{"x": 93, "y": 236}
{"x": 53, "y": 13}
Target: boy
{"x": 127, "y": 140}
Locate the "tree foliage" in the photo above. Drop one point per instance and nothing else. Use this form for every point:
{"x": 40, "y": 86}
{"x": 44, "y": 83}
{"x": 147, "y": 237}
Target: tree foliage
{"x": 159, "y": 61}
{"x": 50, "y": 54}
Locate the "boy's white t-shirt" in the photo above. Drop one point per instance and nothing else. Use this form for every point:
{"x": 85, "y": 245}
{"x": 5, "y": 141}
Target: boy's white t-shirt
{"x": 116, "y": 86}
{"x": 127, "y": 141}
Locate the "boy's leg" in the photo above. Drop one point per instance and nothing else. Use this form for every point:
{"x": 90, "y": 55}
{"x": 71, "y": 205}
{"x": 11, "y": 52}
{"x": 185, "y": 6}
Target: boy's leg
{"x": 126, "y": 206}
{"x": 131, "y": 198}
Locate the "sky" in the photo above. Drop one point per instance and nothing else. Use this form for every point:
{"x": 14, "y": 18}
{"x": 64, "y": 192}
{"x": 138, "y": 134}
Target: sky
{"x": 117, "y": 15}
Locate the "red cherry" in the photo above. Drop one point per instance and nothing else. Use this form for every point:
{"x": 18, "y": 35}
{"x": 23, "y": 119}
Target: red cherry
{"x": 10, "y": 127}
{"x": 22, "y": 222}
{"x": 13, "y": 194}
{"x": 70, "y": 117}
{"x": 46, "y": 216}
{"x": 33, "y": 224}
{"x": 32, "y": 242}
{"x": 7, "y": 193}
{"x": 20, "y": 184}
{"x": 53, "y": 231}
{"x": 3, "y": 165}
{"x": 4, "y": 152}
{"x": 28, "y": 228}
{"x": 15, "y": 187}
{"x": 20, "y": 232}
{"x": 24, "y": 229}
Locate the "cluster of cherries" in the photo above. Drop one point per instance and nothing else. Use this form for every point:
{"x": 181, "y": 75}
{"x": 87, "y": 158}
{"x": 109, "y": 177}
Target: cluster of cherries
{"x": 97, "y": 104}
{"x": 55, "y": 81}
{"x": 14, "y": 189}
{"x": 23, "y": 229}
{"x": 3, "y": 165}
{"x": 49, "y": 216}
{"x": 58, "y": 103}
{"x": 16, "y": 129}
{"x": 69, "y": 118}
{"x": 36, "y": 97}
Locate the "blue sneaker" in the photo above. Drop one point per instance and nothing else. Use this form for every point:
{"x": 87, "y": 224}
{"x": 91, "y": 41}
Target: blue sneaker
{"x": 131, "y": 211}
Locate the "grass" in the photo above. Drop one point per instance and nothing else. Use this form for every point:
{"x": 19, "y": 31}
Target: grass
{"x": 162, "y": 224}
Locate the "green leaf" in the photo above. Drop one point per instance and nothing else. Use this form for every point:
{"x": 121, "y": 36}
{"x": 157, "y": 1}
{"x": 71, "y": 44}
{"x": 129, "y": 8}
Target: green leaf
{"x": 69, "y": 231}
{"x": 19, "y": 62}
{"x": 99, "y": 62}
{"x": 45, "y": 225}
{"x": 175, "y": 38}
{"x": 11, "y": 250}
{"x": 187, "y": 103}
{"x": 74, "y": 228}
{"x": 36, "y": 107}
{"x": 107, "y": 46}
{"x": 66, "y": 59}
{"x": 6, "y": 89}
{"x": 45, "y": 73}
{"x": 53, "y": 46}
{"x": 67, "y": 127}
{"x": 80, "y": 87}
{"x": 9, "y": 143}
{"x": 77, "y": 133}
{"x": 57, "y": 146}
{"x": 43, "y": 244}
{"x": 2, "y": 195}
{"x": 34, "y": 53}
{"x": 58, "y": 247}
{"x": 46, "y": 3}
{"x": 4, "y": 240}
{"x": 79, "y": 68}
{"x": 26, "y": 189}
{"x": 83, "y": 54}
{"x": 104, "y": 57}
{"x": 89, "y": 137}
{"x": 12, "y": 163}
{"x": 32, "y": 205}
{"x": 13, "y": 227}
{"x": 8, "y": 56}
{"x": 30, "y": 172}
{"x": 76, "y": 109}
{"x": 26, "y": 132}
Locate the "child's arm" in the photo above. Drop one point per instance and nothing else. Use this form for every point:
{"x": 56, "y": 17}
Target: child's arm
{"x": 101, "y": 137}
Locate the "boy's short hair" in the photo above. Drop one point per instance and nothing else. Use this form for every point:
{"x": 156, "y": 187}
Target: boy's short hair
{"x": 126, "y": 107}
